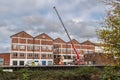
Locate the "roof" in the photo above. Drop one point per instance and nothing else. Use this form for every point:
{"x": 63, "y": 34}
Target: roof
{"x": 43, "y": 36}
{"x": 74, "y": 41}
{"x": 21, "y": 32}
{"x": 88, "y": 43}
{"x": 59, "y": 40}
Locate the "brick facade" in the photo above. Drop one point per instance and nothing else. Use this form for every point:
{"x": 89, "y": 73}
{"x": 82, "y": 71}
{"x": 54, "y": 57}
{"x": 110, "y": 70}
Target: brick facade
{"x": 100, "y": 59}
{"x": 43, "y": 49}
{"x": 6, "y": 58}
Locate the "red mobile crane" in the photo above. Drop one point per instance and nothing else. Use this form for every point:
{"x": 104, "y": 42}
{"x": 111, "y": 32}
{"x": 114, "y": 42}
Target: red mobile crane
{"x": 77, "y": 62}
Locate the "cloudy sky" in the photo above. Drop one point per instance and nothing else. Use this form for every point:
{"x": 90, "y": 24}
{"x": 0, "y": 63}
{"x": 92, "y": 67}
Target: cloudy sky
{"x": 81, "y": 18}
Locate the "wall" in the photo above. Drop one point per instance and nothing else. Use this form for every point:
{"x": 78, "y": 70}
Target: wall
{"x": 6, "y": 57}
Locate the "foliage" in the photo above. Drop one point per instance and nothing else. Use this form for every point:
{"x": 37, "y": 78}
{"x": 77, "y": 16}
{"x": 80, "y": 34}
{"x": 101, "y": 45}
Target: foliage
{"x": 110, "y": 36}
{"x": 110, "y": 32}
{"x": 88, "y": 73}
{"x": 82, "y": 73}
{"x": 111, "y": 73}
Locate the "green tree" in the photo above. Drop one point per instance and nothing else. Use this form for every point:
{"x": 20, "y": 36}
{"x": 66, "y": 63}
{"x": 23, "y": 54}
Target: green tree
{"x": 110, "y": 32}
{"x": 110, "y": 36}
{"x": 111, "y": 73}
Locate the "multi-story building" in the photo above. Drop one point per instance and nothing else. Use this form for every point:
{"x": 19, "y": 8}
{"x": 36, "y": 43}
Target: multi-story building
{"x": 59, "y": 50}
{"x": 87, "y": 47}
{"x": 25, "y": 49}
{"x": 21, "y": 48}
{"x": 43, "y": 50}
{"x": 43, "y": 46}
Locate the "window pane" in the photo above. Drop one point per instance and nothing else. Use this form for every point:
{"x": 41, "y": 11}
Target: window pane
{"x": 69, "y": 57}
{"x": 43, "y": 47}
{"x": 22, "y": 47}
{"x": 15, "y": 46}
{"x": 36, "y": 47}
{"x": 49, "y": 56}
{"x": 30, "y": 47}
{"x": 36, "y": 55}
{"x": 21, "y": 54}
{"x": 43, "y": 55}
{"x": 14, "y": 62}
{"x": 49, "y": 47}
{"x": 30, "y": 55}
{"x": 1, "y": 61}
{"x": 49, "y": 62}
{"x": 21, "y": 63}
{"x": 15, "y": 54}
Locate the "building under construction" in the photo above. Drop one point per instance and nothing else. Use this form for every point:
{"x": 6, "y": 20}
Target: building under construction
{"x": 43, "y": 50}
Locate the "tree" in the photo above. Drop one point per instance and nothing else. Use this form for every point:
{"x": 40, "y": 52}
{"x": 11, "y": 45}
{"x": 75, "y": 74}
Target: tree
{"x": 110, "y": 32}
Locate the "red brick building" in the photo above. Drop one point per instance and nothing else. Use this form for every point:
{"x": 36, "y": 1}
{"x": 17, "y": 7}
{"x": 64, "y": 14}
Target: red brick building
{"x": 4, "y": 58}
{"x": 25, "y": 49}
{"x": 100, "y": 59}
{"x": 88, "y": 47}
{"x": 42, "y": 49}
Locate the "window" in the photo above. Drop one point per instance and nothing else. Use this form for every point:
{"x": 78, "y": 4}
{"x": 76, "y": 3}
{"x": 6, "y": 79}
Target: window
{"x": 43, "y": 47}
{"x": 64, "y": 50}
{"x": 15, "y": 54}
{"x": 86, "y": 51}
{"x": 14, "y": 62}
{"x": 1, "y": 61}
{"x": 36, "y": 47}
{"x": 68, "y": 50}
{"x": 21, "y": 63}
{"x": 69, "y": 57}
{"x": 79, "y": 51}
{"x": 43, "y": 55}
{"x": 55, "y": 56}
{"x": 15, "y": 46}
{"x": 22, "y": 47}
{"x": 30, "y": 47}
{"x": 65, "y": 57}
{"x": 36, "y": 55}
{"x": 49, "y": 47}
{"x": 49, "y": 55}
{"x": 49, "y": 62}
{"x": 30, "y": 55}
{"x": 21, "y": 54}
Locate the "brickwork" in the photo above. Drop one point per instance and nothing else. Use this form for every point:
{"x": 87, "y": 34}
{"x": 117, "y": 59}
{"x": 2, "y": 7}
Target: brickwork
{"x": 100, "y": 59}
{"x": 43, "y": 48}
{"x": 6, "y": 57}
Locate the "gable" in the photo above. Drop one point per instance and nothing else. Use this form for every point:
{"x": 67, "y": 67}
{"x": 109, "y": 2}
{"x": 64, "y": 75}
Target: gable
{"x": 59, "y": 40}
{"x": 22, "y": 34}
{"x": 43, "y": 36}
{"x": 74, "y": 41}
{"x": 87, "y": 43}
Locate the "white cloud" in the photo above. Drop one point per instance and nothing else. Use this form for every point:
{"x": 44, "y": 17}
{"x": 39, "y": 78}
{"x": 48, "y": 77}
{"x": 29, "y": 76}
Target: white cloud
{"x": 37, "y": 16}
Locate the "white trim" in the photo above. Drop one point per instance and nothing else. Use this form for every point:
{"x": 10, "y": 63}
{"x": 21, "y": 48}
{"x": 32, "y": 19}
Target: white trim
{"x": 46, "y": 52}
{"x": 43, "y": 39}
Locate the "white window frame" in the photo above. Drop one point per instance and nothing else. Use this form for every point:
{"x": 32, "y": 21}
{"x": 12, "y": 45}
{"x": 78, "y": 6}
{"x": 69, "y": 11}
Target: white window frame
{"x": 22, "y": 46}
{"x": 15, "y": 46}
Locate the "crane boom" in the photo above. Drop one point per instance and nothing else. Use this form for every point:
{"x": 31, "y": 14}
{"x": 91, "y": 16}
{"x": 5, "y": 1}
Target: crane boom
{"x": 78, "y": 57}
